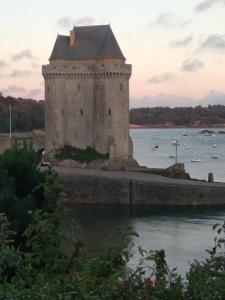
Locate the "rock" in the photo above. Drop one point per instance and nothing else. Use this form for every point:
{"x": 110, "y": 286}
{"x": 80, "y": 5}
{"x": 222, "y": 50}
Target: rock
{"x": 118, "y": 164}
{"x": 95, "y": 164}
{"x": 114, "y": 165}
{"x": 177, "y": 171}
{"x": 206, "y": 131}
{"x": 69, "y": 163}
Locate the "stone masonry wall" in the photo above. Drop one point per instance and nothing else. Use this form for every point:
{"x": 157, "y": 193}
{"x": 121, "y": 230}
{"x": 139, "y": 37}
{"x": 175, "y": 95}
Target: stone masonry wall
{"x": 88, "y": 105}
{"x": 105, "y": 190}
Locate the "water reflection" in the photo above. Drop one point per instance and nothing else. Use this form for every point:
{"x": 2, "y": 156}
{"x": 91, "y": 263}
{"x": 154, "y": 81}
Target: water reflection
{"x": 185, "y": 233}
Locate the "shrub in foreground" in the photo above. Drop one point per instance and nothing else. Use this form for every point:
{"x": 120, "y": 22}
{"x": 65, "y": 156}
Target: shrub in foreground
{"x": 45, "y": 272}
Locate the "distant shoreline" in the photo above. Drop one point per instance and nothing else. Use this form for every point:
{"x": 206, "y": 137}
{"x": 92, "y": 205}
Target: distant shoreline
{"x": 163, "y": 126}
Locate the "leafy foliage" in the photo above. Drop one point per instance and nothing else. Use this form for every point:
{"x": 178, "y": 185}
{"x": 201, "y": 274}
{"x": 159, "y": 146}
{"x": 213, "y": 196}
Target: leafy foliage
{"x": 179, "y": 116}
{"x": 45, "y": 272}
{"x": 38, "y": 265}
{"x": 27, "y": 115}
{"x": 23, "y": 188}
{"x": 83, "y": 155}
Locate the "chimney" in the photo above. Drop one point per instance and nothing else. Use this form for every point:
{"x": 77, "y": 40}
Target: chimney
{"x": 72, "y": 37}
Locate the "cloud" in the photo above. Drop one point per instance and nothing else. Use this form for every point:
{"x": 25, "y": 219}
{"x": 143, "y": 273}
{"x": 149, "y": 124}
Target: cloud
{"x": 26, "y": 53}
{"x": 207, "y": 4}
{"x": 182, "y": 42}
{"x": 20, "y": 73}
{"x": 169, "y": 20}
{"x": 69, "y": 22}
{"x": 166, "y": 77}
{"x": 213, "y": 97}
{"x": 214, "y": 42}
{"x": 35, "y": 66}
{"x": 3, "y": 64}
{"x": 34, "y": 94}
{"x": 12, "y": 89}
{"x": 192, "y": 65}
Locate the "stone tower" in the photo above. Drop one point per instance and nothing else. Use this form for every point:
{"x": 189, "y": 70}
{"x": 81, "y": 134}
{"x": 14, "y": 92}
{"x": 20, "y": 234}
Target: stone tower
{"x": 87, "y": 93}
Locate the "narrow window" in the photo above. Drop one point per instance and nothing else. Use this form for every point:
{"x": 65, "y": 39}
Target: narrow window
{"x": 96, "y": 87}
{"x": 109, "y": 112}
{"x": 121, "y": 87}
{"x": 81, "y": 112}
{"x": 78, "y": 88}
{"x": 48, "y": 88}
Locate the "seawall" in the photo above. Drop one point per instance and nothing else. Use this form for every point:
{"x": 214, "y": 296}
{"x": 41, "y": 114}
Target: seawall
{"x": 102, "y": 187}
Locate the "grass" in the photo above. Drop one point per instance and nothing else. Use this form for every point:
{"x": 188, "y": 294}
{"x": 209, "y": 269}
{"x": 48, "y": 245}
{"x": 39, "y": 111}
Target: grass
{"x": 82, "y": 155}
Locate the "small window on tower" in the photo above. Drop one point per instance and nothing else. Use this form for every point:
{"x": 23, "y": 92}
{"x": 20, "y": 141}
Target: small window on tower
{"x": 81, "y": 112}
{"x": 48, "y": 88}
{"x": 96, "y": 87}
{"x": 121, "y": 87}
{"x": 78, "y": 88}
{"x": 110, "y": 112}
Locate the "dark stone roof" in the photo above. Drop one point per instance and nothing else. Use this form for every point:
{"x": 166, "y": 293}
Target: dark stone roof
{"x": 92, "y": 42}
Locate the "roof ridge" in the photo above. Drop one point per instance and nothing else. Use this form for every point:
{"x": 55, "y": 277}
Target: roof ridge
{"x": 83, "y": 26}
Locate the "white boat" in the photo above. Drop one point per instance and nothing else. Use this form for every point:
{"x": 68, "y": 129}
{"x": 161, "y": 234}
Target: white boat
{"x": 174, "y": 142}
{"x": 204, "y": 140}
{"x": 214, "y": 146}
{"x": 187, "y": 147}
{"x": 172, "y": 155}
{"x": 195, "y": 160}
{"x": 214, "y": 156}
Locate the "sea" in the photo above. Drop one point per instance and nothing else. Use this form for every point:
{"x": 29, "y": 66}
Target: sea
{"x": 201, "y": 154}
{"x": 184, "y": 233}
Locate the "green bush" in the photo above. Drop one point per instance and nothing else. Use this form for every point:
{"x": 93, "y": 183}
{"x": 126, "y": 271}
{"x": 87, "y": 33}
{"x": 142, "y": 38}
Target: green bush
{"x": 38, "y": 267}
{"x": 23, "y": 188}
{"x": 83, "y": 155}
{"x": 45, "y": 272}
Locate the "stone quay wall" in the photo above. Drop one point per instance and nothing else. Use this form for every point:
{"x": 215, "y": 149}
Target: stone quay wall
{"x": 34, "y": 139}
{"x": 84, "y": 188}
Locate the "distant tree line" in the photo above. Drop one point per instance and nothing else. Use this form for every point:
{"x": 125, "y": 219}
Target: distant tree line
{"x": 27, "y": 114}
{"x": 212, "y": 115}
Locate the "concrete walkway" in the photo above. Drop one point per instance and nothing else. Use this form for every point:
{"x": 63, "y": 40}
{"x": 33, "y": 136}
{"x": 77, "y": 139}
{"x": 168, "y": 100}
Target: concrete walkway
{"x": 137, "y": 176}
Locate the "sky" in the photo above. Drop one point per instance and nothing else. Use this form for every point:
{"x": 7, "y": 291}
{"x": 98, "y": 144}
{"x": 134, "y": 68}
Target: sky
{"x": 176, "y": 47}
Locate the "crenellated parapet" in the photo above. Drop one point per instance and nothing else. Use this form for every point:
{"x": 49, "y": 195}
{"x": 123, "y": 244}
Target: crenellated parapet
{"x": 53, "y": 72}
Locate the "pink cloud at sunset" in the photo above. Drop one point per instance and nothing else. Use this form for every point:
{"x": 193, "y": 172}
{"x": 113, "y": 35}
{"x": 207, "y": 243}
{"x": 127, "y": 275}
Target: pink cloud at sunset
{"x": 175, "y": 47}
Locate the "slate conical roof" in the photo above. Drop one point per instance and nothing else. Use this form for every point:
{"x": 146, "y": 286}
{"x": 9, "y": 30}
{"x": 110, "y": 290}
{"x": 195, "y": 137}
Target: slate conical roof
{"x": 91, "y": 42}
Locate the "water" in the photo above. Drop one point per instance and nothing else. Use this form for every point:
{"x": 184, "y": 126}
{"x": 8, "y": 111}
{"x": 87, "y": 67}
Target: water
{"x": 184, "y": 233}
{"x": 191, "y": 146}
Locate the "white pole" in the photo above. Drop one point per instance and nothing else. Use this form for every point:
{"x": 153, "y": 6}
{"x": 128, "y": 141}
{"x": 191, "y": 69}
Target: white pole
{"x": 176, "y": 152}
{"x": 10, "y": 120}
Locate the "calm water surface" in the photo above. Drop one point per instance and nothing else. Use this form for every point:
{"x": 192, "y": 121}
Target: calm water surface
{"x": 192, "y": 145}
{"x": 184, "y": 233}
